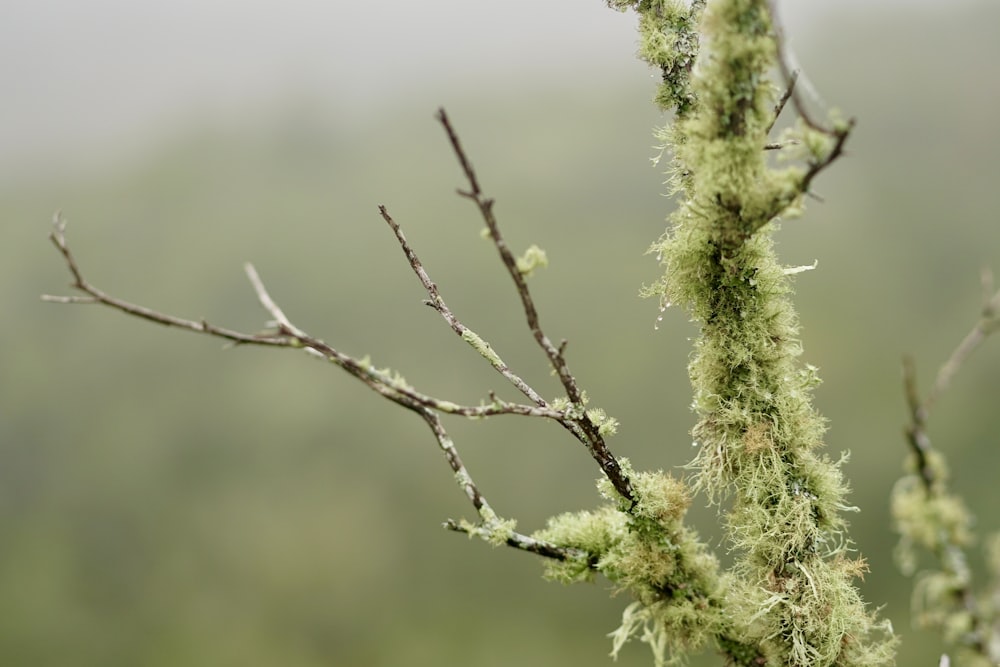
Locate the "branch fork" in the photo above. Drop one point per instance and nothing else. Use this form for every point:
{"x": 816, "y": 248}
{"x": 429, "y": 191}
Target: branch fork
{"x": 282, "y": 332}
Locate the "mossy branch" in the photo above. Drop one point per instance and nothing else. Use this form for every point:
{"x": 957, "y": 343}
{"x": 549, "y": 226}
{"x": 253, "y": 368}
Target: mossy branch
{"x": 791, "y": 591}
{"x": 930, "y": 517}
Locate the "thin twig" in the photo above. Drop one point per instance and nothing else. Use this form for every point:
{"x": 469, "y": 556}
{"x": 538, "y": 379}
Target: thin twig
{"x": 916, "y": 431}
{"x": 838, "y": 134}
{"x": 288, "y": 335}
{"x": 490, "y": 522}
{"x": 839, "y": 139}
{"x": 778, "y": 145}
{"x": 525, "y": 543}
{"x": 989, "y": 322}
{"x": 268, "y": 303}
{"x": 437, "y": 303}
{"x": 393, "y": 388}
{"x": 591, "y": 436}
{"x": 790, "y": 75}
{"x": 97, "y": 296}
{"x": 791, "y": 79}
{"x": 949, "y": 553}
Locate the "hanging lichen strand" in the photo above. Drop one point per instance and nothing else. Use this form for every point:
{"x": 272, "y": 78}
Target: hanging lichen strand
{"x": 758, "y": 433}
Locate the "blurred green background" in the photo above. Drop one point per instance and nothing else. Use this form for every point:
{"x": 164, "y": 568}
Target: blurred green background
{"x": 166, "y": 501}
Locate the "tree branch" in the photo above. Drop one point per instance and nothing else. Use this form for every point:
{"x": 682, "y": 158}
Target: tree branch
{"x": 437, "y": 303}
{"x": 583, "y": 427}
{"x": 283, "y": 333}
{"x": 791, "y": 78}
{"x": 392, "y": 387}
{"x": 916, "y": 430}
{"x": 95, "y": 295}
{"x": 948, "y": 532}
{"x": 839, "y": 134}
{"x": 526, "y": 543}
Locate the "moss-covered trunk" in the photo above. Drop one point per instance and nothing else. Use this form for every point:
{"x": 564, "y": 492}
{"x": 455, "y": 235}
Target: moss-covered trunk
{"x": 758, "y": 433}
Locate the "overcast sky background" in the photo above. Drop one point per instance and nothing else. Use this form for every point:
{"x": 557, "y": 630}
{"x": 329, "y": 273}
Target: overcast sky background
{"x": 86, "y": 83}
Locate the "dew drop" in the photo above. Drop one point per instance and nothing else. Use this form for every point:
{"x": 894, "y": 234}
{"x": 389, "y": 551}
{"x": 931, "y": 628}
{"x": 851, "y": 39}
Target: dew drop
{"x": 664, "y": 304}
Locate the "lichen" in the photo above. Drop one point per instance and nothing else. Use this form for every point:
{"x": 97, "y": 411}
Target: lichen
{"x": 789, "y": 598}
{"x": 533, "y": 258}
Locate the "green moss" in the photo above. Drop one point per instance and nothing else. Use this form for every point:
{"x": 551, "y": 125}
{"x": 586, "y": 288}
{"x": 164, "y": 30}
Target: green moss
{"x": 648, "y": 552}
{"x": 789, "y": 598}
{"x": 757, "y": 430}
{"x": 606, "y": 426}
{"x": 669, "y": 41}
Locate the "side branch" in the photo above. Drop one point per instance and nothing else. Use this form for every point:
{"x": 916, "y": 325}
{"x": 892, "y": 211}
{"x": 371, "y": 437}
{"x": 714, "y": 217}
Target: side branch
{"x": 526, "y": 543}
{"x": 916, "y": 430}
{"x": 838, "y": 133}
{"x": 583, "y": 428}
{"x": 791, "y": 79}
{"x": 929, "y": 515}
{"x": 791, "y": 75}
{"x": 95, "y": 295}
{"x": 392, "y": 387}
{"x": 491, "y": 528}
{"x": 437, "y": 303}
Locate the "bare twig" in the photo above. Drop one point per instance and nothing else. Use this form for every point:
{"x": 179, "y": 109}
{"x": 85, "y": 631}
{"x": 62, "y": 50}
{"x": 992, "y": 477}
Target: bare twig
{"x": 816, "y": 166}
{"x": 778, "y": 145}
{"x": 791, "y": 75}
{"x": 947, "y": 550}
{"x": 289, "y": 335}
{"x": 791, "y": 79}
{"x": 838, "y": 134}
{"x": 391, "y": 387}
{"x": 585, "y": 429}
{"x": 268, "y": 303}
{"x": 437, "y": 303}
{"x": 491, "y": 526}
{"x": 95, "y": 295}
{"x": 916, "y": 433}
{"x": 525, "y": 543}
{"x": 485, "y": 206}
{"x": 989, "y": 322}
